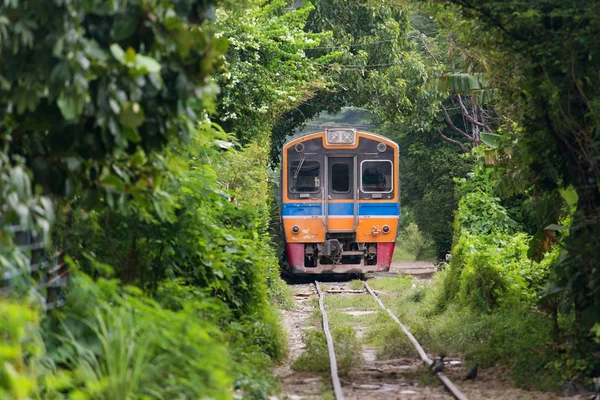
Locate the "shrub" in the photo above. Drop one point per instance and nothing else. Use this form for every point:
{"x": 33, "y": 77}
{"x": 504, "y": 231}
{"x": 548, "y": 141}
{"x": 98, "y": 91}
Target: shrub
{"x": 117, "y": 343}
{"x": 415, "y": 242}
{"x": 489, "y": 264}
{"x": 20, "y": 350}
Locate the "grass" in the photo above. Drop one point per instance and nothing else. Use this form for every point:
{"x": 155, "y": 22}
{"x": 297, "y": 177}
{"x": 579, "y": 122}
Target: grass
{"x": 389, "y": 339}
{"x": 280, "y": 294}
{"x": 347, "y": 346}
{"x": 513, "y": 337}
{"x": 356, "y": 284}
{"x": 401, "y": 253}
{"x": 412, "y": 245}
{"x": 316, "y": 357}
{"x": 358, "y": 301}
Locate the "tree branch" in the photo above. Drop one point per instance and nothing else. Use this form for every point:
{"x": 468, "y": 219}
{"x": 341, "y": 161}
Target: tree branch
{"x": 493, "y": 20}
{"x": 468, "y": 116}
{"x": 449, "y": 140}
{"x": 454, "y": 128}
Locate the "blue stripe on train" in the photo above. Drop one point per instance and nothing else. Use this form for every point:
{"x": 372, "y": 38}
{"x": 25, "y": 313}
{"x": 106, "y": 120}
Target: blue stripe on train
{"x": 364, "y": 209}
{"x": 301, "y": 209}
{"x": 379, "y": 209}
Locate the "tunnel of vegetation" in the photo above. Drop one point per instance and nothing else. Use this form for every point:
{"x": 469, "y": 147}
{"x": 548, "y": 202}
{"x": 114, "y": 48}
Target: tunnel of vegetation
{"x": 138, "y": 136}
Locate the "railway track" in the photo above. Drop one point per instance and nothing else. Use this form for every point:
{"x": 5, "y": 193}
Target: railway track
{"x": 335, "y": 380}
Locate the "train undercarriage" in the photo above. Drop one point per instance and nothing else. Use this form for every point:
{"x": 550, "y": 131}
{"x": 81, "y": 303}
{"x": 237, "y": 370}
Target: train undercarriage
{"x": 338, "y": 255}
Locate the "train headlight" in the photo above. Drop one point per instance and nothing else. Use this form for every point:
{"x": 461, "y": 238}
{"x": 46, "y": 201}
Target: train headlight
{"x": 341, "y": 136}
{"x": 385, "y": 229}
{"x": 295, "y": 229}
{"x": 347, "y": 137}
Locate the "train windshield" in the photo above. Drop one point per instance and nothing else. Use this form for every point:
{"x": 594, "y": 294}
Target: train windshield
{"x": 376, "y": 176}
{"x": 340, "y": 177}
{"x": 304, "y": 176}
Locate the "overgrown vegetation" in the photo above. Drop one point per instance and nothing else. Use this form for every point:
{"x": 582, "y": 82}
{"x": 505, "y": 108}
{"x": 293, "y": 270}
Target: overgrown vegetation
{"x": 413, "y": 245}
{"x": 346, "y": 344}
{"x": 115, "y": 121}
{"x": 173, "y": 277}
{"x": 316, "y": 357}
{"x": 486, "y": 305}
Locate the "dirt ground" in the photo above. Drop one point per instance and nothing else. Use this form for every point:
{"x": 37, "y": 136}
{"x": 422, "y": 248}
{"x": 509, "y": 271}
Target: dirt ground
{"x": 381, "y": 379}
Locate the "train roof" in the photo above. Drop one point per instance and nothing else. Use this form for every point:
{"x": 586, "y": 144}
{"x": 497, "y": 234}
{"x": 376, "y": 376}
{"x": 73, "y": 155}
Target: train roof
{"x": 303, "y": 137}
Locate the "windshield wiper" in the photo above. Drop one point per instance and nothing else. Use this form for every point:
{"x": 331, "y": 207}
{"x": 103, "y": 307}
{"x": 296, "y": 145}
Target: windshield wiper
{"x": 297, "y": 171}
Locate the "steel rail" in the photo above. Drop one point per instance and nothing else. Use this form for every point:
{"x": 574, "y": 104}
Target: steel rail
{"x": 447, "y": 382}
{"x": 335, "y": 379}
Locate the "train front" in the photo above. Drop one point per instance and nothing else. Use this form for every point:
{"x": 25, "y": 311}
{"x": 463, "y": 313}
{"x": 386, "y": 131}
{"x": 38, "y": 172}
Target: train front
{"x": 340, "y": 202}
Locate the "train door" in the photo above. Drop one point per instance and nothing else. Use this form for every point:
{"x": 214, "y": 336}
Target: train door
{"x": 340, "y": 194}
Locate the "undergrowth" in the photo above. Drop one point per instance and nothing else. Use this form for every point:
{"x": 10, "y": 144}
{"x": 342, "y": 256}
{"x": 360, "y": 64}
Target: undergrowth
{"x": 316, "y": 357}
{"x": 389, "y": 339}
{"x": 485, "y": 305}
{"x": 516, "y": 337}
{"x": 347, "y": 346}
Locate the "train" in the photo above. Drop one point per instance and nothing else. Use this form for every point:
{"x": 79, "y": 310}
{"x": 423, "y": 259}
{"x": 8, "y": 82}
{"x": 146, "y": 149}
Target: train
{"x": 339, "y": 202}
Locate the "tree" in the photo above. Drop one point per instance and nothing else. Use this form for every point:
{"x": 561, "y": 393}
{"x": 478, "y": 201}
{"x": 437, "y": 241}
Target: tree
{"x": 546, "y": 64}
{"x": 429, "y": 168}
{"x": 266, "y": 70}
{"x": 369, "y": 61}
{"x": 88, "y": 90}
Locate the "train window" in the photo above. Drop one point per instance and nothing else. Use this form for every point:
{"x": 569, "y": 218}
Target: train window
{"x": 340, "y": 178}
{"x": 304, "y": 176}
{"x": 376, "y": 176}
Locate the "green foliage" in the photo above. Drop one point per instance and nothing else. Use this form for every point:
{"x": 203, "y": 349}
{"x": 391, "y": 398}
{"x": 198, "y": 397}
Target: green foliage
{"x": 489, "y": 264}
{"x": 485, "y": 305}
{"x": 267, "y": 69}
{"x": 413, "y": 243}
{"x": 206, "y": 258}
{"x": 550, "y": 98}
{"x": 120, "y": 343}
{"x": 20, "y": 350}
{"x": 209, "y": 238}
{"x": 368, "y": 60}
{"x": 89, "y": 86}
{"x": 429, "y": 169}
{"x": 390, "y": 340}
{"x": 24, "y": 210}
{"x": 481, "y": 214}
{"x": 316, "y": 358}
{"x": 113, "y": 119}
{"x": 512, "y": 337}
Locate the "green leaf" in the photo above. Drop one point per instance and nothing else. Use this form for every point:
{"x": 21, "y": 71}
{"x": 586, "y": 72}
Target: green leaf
{"x": 138, "y": 159}
{"x": 4, "y": 84}
{"x": 93, "y": 49}
{"x": 123, "y": 27}
{"x": 570, "y": 196}
{"x": 117, "y": 52}
{"x": 131, "y": 135}
{"x": 70, "y": 106}
{"x": 113, "y": 181}
{"x": 130, "y": 56}
{"x": 132, "y": 115}
{"x": 25, "y": 99}
{"x": 147, "y": 64}
{"x": 491, "y": 139}
{"x": 73, "y": 163}
{"x": 90, "y": 198}
{"x": 58, "y": 47}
